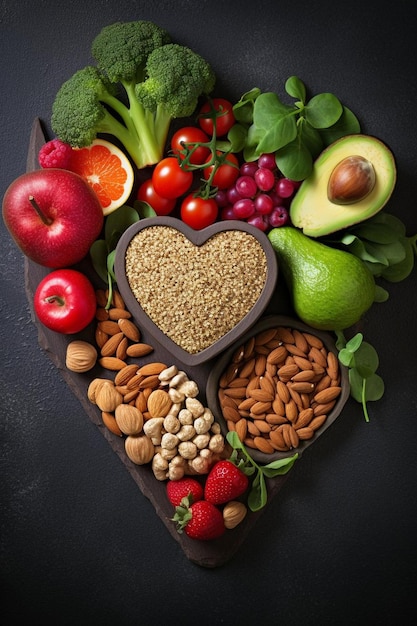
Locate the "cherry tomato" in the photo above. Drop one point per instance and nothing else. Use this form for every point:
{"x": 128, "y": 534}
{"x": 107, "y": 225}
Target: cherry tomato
{"x": 199, "y": 212}
{"x": 169, "y": 180}
{"x": 65, "y": 301}
{"x": 161, "y": 206}
{"x": 226, "y": 174}
{"x": 190, "y": 135}
{"x": 224, "y": 120}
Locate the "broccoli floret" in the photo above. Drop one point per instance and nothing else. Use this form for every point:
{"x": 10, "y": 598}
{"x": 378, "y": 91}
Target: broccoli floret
{"x": 79, "y": 111}
{"x": 161, "y": 81}
{"x": 176, "y": 78}
{"x": 122, "y": 49}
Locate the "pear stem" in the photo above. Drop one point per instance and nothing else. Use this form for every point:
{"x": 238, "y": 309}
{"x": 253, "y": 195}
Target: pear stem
{"x": 46, "y": 220}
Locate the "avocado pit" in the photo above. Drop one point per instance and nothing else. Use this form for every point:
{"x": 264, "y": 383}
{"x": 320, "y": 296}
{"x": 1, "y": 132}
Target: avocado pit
{"x": 352, "y": 180}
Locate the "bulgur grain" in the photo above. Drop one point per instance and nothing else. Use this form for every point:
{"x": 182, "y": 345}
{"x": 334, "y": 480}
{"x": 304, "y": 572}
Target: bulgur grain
{"x": 195, "y": 294}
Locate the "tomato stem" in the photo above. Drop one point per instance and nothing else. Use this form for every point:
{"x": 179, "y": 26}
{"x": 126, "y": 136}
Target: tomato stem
{"x": 46, "y": 220}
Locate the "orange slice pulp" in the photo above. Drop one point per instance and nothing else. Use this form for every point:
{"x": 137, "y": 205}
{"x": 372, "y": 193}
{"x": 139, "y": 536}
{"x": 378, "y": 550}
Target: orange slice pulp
{"x": 107, "y": 170}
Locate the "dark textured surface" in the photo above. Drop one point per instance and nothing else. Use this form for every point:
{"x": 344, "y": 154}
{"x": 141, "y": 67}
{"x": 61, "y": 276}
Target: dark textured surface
{"x": 79, "y": 542}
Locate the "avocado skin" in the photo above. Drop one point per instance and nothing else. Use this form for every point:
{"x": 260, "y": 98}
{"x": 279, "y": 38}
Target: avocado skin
{"x": 313, "y": 212}
{"x": 330, "y": 289}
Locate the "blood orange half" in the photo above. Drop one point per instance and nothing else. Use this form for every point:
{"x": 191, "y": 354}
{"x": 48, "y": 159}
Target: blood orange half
{"x": 107, "y": 170}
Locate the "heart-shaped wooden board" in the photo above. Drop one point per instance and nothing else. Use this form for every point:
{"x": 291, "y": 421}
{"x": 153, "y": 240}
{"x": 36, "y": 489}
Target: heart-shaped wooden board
{"x": 196, "y": 292}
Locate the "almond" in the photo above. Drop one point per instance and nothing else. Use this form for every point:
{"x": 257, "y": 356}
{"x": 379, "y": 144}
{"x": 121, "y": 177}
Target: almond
{"x": 125, "y": 374}
{"x": 149, "y": 382}
{"x": 286, "y": 372}
{"x": 277, "y": 439}
{"x": 241, "y": 427}
{"x": 116, "y": 314}
{"x": 302, "y": 387}
{"x": 231, "y": 414}
{"x": 101, "y": 337}
{"x": 332, "y": 366}
{"x": 260, "y": 364}
{"x": 304, "y": 418}
{"x": 300, "y": 341}
{"x": 278, "y": 355}
{"x": 129, "y": 329}
{"x": 261, "y": 407}
{"x": 111, "y": 345}
{"x": 248, "y": 368}
{"x": 305, "y": 433}
{"x": 327, "y": 395}
{"x": 263, "y": 445}
{"x": 121, "y": 350}
{"x": 159, "y": 403}
{"x": 101, "y": 314}
{"x": 317, "y": 421}
{"x": 109, "y": 327}
{"x": 265, "y": 336}
{"x": 101, "y": 297}
{"x": 110, "y": 423}
{"x": 261, "y": 395}
{"x": 117, "y": 300}
{"x": 112, "y": 363}
{"x": 137, "y": 350}
{"x": 151, "y": 369}
{"x": 283, "y": 392}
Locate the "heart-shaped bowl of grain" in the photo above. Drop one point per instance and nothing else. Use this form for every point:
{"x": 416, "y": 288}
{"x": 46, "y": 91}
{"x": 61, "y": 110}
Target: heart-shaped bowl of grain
{"x": 280, "y": 387}
{"x": 195, "y": 291}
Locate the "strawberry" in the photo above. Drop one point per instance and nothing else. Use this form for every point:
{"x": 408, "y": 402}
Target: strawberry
{"x": 201, "y": 520}
{"x": 185, "y": 487}
{"x": 225, "y": 482}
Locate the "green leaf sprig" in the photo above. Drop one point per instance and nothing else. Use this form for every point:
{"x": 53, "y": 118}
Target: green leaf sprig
{"x": 362, "y": 360}
{"x": 258, "y": 494}
{"x": 296, "y": 133}
{"x": 103, "y": 251}
{"x": 382, "y": 244}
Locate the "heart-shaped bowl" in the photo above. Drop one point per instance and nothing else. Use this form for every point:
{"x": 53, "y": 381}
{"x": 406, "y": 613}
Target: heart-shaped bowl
{"x": 250, "y": 392}
{"x": 195, "y": 291}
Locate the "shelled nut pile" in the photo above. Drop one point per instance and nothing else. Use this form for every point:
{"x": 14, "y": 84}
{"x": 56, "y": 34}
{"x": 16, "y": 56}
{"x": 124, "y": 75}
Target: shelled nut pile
{"x": 154, "y": 406}
{"x": 279, "y": 389}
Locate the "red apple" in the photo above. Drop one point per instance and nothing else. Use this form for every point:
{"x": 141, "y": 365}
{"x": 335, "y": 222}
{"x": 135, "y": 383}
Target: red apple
{"x": 53, "y": 215}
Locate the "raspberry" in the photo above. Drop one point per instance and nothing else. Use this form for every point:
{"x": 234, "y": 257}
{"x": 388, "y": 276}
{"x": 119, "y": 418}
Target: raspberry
{"x": 55, "y": 153}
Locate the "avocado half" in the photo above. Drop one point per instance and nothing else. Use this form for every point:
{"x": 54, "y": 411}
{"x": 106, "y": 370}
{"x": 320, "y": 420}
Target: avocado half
{"x": 313, "y": 212}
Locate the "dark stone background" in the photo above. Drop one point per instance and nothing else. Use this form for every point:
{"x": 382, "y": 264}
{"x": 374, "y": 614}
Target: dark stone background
{"x": 80, "y": 545}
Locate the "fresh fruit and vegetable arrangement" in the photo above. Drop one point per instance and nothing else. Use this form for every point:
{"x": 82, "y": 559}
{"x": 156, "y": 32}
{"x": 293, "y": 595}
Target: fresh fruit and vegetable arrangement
{"x": 141, "y": 134}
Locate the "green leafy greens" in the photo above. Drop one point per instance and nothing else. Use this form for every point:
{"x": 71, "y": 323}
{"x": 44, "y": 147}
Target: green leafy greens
{"x": 103, "y": 251}
{"x": 296, "y": 133}
{"x": 362, "y": 360}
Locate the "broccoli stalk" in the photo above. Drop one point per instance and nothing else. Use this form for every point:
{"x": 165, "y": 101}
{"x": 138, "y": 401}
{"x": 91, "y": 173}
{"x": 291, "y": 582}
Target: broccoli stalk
{"x": 161, "y": 81}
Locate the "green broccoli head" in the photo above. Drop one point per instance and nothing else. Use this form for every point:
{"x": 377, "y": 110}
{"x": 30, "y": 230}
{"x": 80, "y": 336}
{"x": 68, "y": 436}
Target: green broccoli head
{"x": 78, "y": 113}
{"x": 176, "y": 77}
{"x": 121, "y": 49}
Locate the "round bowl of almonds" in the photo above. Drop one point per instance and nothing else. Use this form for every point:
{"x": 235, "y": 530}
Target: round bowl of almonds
{"x": 279, "y": 387}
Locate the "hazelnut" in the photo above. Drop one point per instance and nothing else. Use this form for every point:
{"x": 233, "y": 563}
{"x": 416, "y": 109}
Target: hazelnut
{"x": 233, "y": 513}
{"x": 351, "y": 180}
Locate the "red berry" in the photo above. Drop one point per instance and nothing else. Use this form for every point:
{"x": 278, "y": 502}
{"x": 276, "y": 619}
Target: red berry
{"x": 55, "y": 153}
{"x": 183, "y": 488}
{"x": 225, "y": 482}
{"x": 206, "y": 521}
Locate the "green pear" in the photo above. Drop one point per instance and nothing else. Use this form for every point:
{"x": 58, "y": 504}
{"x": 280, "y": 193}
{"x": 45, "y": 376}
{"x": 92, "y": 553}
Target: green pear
{"x": 331, "y": 289}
